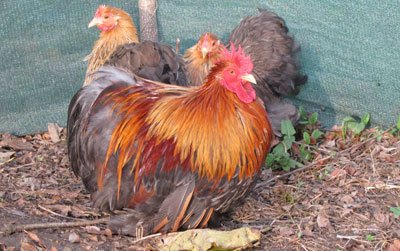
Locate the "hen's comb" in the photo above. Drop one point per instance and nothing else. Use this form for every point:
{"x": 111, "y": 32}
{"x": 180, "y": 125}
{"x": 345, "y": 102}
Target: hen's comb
{"x": 99, "y": 10}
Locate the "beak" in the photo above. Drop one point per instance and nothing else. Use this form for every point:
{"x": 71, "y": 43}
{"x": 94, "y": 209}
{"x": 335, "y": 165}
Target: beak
{"x": 95, "y": 21}
{"x": 249, "y": 78}
{"x": 204, "y": 52}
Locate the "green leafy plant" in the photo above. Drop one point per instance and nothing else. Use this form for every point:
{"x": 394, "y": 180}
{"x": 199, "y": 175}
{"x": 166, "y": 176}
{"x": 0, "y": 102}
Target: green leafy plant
{"x": 308, "y": 120}
{"x": 380, "y": 133}
{"x": 305, "y": 153}
{"x": 356, "y": 127}
{"x": 370, "y": 237}
{"x": 398, "y": 123}
{"x": 316, "y": 134}
{"x": 280, "y": 155}
{"x": 396, "y": 211}
{"x": 326, "y": 171}
{"x": 305, "y": 149}
{"x": 397, "y": 129}
{"x": 288, "y": 198}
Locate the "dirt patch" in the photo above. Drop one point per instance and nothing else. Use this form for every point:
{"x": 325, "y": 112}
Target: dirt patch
{"x": 344, "y": 201}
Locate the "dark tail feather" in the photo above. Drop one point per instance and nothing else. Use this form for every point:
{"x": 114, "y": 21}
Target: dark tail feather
{"x": 174, "y": 206}
{"x": 281, "y": 110}
{"x": 168, "y": 217}
{"x": 299, "y": 80}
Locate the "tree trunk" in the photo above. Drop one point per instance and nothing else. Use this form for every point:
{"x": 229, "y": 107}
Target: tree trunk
{"x": 148, "y": 20}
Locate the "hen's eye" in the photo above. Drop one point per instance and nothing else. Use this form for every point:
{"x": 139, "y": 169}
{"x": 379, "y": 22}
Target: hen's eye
{"x": 232, "y": 72}
{"x": 213, "y": 43}
{"x": 106, "y": 17}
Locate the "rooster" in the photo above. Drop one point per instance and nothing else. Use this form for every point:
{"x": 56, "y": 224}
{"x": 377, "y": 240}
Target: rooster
{"x": 117, "y": 28}
{"x": 170, "y": 156}
{"x": 266, "y": 39}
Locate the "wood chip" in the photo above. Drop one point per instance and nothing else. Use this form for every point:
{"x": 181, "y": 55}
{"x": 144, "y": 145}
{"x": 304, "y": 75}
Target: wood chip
{"x": 73, "y": 238}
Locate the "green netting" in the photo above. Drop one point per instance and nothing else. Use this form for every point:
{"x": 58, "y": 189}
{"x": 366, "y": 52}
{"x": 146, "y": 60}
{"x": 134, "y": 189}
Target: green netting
{"x": 350, "y": 51}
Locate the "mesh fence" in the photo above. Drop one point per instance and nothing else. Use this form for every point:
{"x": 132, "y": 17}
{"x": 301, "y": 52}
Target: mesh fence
{"x": 350, "y": 51}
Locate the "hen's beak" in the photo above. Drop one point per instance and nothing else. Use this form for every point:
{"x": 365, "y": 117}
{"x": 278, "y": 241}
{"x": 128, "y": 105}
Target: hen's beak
{"x": 249, "y": 78}
{"x": 95, "y": 21}
{"x": 204, "y": 52}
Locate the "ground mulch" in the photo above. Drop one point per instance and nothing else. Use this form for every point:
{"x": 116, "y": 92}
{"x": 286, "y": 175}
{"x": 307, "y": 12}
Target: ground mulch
{"x": 347, "y": 198}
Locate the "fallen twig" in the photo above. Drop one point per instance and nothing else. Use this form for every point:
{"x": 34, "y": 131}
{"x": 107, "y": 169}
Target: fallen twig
{"x": 323, "y": 159}
{"x": 178, "y": 42}
{"x": 49, "y": 211}
{"x": 145, "y": 238}
{"x": 2, "y": 163}
{"x": 9, "y": 229}
{"x": 383, "y": 186}
{"x": 352, "y": 237}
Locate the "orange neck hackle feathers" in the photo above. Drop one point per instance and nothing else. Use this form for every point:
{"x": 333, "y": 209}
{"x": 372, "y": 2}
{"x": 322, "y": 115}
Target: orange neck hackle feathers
{"x": 117, "y": 28}
{"x": 208, "y": 130}
{"x": 201, "y": 58}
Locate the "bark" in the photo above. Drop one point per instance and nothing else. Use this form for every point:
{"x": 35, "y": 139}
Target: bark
{"x": 148, "y": 20}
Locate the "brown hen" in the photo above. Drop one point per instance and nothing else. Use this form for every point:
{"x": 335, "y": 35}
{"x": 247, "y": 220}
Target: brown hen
{"x": 117, "y": 29}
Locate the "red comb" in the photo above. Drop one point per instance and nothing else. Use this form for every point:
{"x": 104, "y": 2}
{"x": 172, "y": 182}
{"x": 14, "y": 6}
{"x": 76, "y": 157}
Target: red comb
{"x": 237, "y": 57}
{"x": 99, "y": 10}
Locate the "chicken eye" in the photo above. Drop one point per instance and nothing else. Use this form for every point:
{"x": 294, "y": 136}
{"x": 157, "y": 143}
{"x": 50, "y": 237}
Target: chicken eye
{"x": 213, "y": 43}
{"x": 232, "y": 72}
{"x": 106, "y": 17}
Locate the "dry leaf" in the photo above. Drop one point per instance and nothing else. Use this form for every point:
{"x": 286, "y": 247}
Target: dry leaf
{"x": 108, "y": 233}
{"x": 380, "y": 217}
{"x": 334, "y": 190}
{"x": 63, "y": 209}
{"x": 94, "y": 238}
{"x": 285, "y": 231}
{"x": 322, "y": 221}
{"x": 4, "y": 156}
{"x": 3, "y": 246}
{"x": 93, "y": 230}
{"x": 46, "y": 135}
{"x": 26, "y": 246}
{"x": 205, "y": 239}
{"x": 396, "y": 243}
{"x": 73, "y": 238}
{"x": 350, "y": 170}
{"x": 308, "y": 233}
{"x": 53, "y": 248}
{"x": 337, "y": 173}
{"x": 54, "y": 131}
{"x": 329, "y": 143}
{"x": 16, "y": 143}
{"x": 347, "y": 199}
{"x": 35, "y": 238}
{"x": 77, "y": 212}
{"x": 346, "y": 211}
{"x": 395, "y": 246}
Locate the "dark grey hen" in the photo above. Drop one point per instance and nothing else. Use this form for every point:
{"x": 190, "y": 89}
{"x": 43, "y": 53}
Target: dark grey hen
{"x": 266, "y": 38}
{"x": 151, "y": 60}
